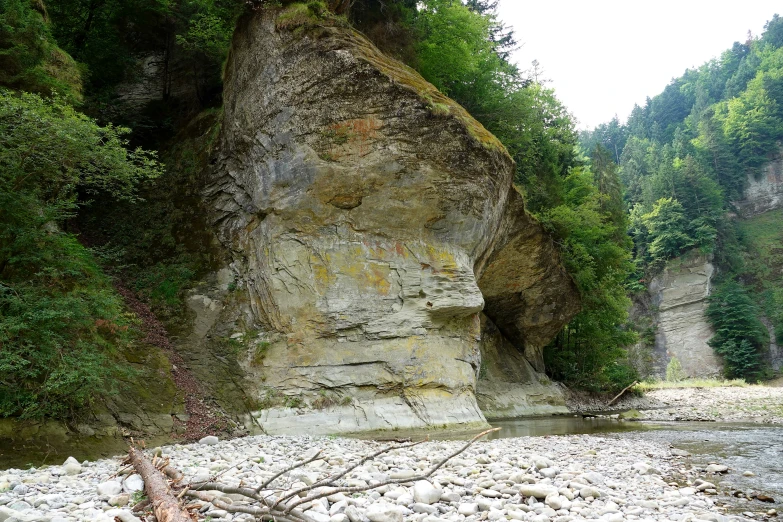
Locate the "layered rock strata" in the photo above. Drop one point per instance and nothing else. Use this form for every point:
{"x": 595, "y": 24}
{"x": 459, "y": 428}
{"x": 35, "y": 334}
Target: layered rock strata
{"x": 680, "y": 295}
{"x": 370, "y": 219}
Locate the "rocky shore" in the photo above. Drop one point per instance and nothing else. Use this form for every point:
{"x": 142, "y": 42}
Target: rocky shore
{"x": 757, "y": 404}
{"x": 537, "y": 479}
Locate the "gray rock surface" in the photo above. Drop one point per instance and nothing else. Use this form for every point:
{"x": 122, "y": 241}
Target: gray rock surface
{"x": 508, "y": 385}
{"x": 71, "y": 466}
{"x": 370, "y": 221}
{"x": 680, "y": 293}
{"x": 209, "y": 440}
{"x": 764, "y": 190}
{"x": 109, "y": 488}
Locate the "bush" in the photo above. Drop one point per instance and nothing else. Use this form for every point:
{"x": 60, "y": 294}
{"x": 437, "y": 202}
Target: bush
{"x": 61, "y": 323}
{"x": 60, "y": 329}
{"x": 674, "y": 371}
{"x": 29, "y": 58}
{"x": 739, "y": 335}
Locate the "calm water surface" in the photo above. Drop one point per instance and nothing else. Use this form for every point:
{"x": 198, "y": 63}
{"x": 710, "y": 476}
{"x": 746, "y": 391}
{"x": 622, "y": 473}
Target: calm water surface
{"x": 742, "y": 447}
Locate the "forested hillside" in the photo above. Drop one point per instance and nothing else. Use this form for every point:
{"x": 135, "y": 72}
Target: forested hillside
{"x": 109, "y": 110}
{"x": 685, "y": 160}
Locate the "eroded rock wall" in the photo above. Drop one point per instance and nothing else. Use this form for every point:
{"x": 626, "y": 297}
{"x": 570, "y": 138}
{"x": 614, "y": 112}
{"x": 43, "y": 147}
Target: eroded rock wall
{"x": 764, "y": 192}
{"x": 680, "y": 295}
{"x": 369, "y": 220}
{"x": 508, "y": 385}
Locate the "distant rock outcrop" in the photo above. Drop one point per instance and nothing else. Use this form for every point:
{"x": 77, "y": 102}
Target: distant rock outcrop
{"x": 680, "y": 295}
{"x": 765, "y": 191}
{"x": 370, "y": 220}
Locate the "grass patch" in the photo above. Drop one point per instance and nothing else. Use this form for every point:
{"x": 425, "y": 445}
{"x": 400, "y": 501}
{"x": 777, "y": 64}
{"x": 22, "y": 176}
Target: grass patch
{"x": 689, "y": 383}
{"x": 304, "y": 15}
{"x": 259, "y": 353}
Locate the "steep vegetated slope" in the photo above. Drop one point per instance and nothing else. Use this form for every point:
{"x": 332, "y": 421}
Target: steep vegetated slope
{"x": 327, "y": 234}
{"x": 701, "y": 169}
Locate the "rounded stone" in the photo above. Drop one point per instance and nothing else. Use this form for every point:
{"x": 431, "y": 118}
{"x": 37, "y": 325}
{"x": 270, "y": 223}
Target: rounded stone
{"x": 109, "y": 489}
{"x": 71, "y": 466}
{"x": 133, "y": 484}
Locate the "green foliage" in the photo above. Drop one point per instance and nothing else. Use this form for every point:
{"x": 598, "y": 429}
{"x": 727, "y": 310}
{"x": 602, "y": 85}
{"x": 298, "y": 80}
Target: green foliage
{"x": 695, "y": 144}
{"x": 458, "y": 53}
{"x": 60, "y": 321}
{"x": 108, "y": 35}
{"x": 674, "y": 371}
{"x": 590, "y": 351}
{"x": 209, "y": 29}
{"x": 303, "y": 14}
{"x": 29, "y": 58}
{"x": 60, "y": 328}
{"x": 739, "y": 335}
{"x": 49, "y": 150}
{"x": 667, "y": 228}
{"x": 454, "y": 48}
{"x": 259, "y": 353}
{"x": 689, "y": 383}
{"x": 162, "y": 284}
{"x": 461, "y": 52}
{"x": 294, "y": 402}
{"x": 164, "y": 241}
{"x": 762, "y": 239}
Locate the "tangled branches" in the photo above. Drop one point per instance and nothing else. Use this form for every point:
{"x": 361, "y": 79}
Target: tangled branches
{"x": 266, "y": 501}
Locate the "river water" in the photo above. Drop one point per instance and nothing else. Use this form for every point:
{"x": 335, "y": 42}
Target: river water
{"x": 741, "y": 447}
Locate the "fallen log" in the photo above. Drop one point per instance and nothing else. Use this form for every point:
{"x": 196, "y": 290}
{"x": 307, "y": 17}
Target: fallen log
{"x": 164, "y": 504}
{"x": 275, "y": 505}
{"x": 634, "y": 383}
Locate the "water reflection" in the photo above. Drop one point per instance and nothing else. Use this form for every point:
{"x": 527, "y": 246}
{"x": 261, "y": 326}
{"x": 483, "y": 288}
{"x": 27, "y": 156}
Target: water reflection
{"x": 565, "y": 425}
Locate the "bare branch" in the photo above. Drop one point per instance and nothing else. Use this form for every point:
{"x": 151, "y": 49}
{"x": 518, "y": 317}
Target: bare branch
{"x": 223, "y": 488}
{"x": 332, "y": 478}
{"x": 264, "y": 513}
{"x": 357, "y": 489}
{"x": 286, "y": 470}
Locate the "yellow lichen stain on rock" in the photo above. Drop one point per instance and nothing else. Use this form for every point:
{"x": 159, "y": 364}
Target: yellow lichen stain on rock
{"x": 440, "y": 259}
{"x": 377, "y": 278}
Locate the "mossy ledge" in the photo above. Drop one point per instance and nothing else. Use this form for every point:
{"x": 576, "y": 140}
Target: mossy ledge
{"x": 310, "y": 20}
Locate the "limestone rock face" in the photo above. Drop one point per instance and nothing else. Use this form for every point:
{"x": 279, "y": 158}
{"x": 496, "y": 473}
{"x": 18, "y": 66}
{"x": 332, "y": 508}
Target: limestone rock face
{"x": 508, "y": 385}
{"x": 680, "y": 293}
{"x": 369, "y": 219}
{"x": 763, "y": 192}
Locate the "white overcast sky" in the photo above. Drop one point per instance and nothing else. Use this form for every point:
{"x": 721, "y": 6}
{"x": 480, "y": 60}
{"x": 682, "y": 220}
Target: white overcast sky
{"x": 602, "y": 56}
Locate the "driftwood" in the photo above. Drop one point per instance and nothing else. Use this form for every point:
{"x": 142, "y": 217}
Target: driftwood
{"x": 634, "y": 383}
{"x": 164, "y": 503}
{"x": 264, "y": 501}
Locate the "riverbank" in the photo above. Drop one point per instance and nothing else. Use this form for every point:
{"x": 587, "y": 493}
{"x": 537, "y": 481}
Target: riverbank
{"x": 534, "y": 479}
{"x": 756, "y": 404}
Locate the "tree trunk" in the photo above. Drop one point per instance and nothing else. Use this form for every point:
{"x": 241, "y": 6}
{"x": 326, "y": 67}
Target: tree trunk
{"x": 164, "y": 505}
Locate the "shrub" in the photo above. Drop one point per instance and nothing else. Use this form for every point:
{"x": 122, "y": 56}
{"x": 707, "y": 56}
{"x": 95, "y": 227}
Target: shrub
{"x": 674, "y": 371}
{"x": 739, "y": 334}
{"x": 61, "y": 323}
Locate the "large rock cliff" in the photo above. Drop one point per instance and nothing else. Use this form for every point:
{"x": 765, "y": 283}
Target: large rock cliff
{"x": 680, "y": 295}
{"x": 370, "y": 220}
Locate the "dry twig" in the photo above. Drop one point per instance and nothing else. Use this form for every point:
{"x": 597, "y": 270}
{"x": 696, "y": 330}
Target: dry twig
{"x": 288, "y": 505}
